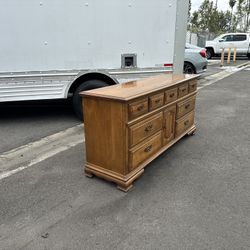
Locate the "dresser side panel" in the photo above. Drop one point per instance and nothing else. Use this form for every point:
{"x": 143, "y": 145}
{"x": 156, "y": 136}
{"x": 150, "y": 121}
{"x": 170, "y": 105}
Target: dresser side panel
{"x": 105, "y": 134}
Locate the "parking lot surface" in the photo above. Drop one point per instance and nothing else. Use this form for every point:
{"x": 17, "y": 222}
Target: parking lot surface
{"x": 24, "y": 122}
{"x": 194, "y": 196}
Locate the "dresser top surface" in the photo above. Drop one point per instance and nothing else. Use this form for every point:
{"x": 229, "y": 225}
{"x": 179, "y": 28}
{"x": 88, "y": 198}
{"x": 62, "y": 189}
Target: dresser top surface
{"x": 133, "y": 89}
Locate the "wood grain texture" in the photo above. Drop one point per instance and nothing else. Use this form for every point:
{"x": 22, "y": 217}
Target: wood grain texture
{"x": 169, "y": 124}
{"x": 145, "y": 129}
{"x": 185, "y": 106}
{"x": 171, "y": 95}
{"x": 138, "y": 88}
{"x": 156, "y": 101}
{"x": 105, "y": 134}
{"x": 122, "y": 137}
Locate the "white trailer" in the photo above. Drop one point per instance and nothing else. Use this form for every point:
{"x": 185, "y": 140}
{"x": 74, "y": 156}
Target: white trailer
{"x": 53, "y": 49}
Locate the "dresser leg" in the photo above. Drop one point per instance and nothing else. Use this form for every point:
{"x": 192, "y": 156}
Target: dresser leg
{"x": 124, "y": 188}
{"x": 88, "y": 174}
{"x": 192, "y": 131}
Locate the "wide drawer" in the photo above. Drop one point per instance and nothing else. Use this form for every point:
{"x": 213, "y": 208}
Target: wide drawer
{"x": 138, "y": 108}
{"x": 184, "y": 123}
{"x": 192, "y": 86}
{"x": 182, "y": 90}
{"x": 145, "y": 129}
{"x": 170, "y": 95}
{"x": 185, "y": 106}
{"x": 144, "y": 151}
{"x": 156, "y": 101}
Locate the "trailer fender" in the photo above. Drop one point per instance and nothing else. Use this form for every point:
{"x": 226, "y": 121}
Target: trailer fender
{"x": 84, "y": 77}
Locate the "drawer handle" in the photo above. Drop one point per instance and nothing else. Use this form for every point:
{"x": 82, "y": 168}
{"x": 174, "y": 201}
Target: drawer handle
{"x": 187, "y": 106}
{"x": 140, "y": 108}
{"x": 148, "y": 149}
{"x": 192, "y": 85}
{"x": 186, "y": 122}
{"x": 157, "y": 101}
{"x": 149, "y": 128}
{"x": 183, "y": 90}
{"x": 171, "y": 95}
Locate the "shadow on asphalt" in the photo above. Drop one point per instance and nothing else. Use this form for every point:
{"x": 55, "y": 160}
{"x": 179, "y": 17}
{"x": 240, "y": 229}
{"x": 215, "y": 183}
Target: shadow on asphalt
{"x": 37, "y": 109}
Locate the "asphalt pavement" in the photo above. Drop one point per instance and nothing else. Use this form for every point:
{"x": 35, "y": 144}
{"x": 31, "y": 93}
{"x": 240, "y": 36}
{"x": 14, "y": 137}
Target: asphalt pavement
{"x": 25, "y": 122}
{"x": 196, "y": 195}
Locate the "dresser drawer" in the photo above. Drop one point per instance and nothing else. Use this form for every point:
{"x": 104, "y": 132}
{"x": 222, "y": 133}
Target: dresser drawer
{"x": 183, "y": 90}
{"x": 156, "y": 101}
{"x": 184, "y": 123}
{"x": 144, "y": 151}
{"x": 170, "y": 95}
{"x": 192, "y": 86}
{"x": 138, "y": 108}
{"x": 144, "y": 129}
{"x": 185, "y": 106}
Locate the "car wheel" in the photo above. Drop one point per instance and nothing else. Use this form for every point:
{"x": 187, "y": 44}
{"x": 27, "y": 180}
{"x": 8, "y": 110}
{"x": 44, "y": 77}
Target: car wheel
{"x": 189, "y": 68}
{"x": 248, "y": 55}
{"x": 77, "y": 100}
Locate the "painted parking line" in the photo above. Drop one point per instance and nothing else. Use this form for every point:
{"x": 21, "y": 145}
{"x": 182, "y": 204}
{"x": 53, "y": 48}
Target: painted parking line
{"x": 26, "y": 156}
{"x": 211, "y": 79}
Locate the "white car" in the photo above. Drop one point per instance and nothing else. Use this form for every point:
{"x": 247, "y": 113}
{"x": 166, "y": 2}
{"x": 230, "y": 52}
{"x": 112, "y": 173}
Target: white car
{"x": 195, "y": 61}
{"x": 240, "y": 41}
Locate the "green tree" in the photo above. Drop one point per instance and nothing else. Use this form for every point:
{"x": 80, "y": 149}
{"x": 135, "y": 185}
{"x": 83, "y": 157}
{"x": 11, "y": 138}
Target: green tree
{"x": 208, "y": 18}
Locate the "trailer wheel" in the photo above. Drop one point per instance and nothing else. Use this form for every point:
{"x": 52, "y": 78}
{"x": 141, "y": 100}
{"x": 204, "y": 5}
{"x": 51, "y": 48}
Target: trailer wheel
{"x": 77, "y": 100}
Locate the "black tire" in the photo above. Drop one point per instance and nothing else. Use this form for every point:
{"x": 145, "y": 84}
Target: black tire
{"x": 248, "y": 55}
{"x": 77, "y": 100}
{"x": 210, "y": 53}
{"x": 189, "y": 68}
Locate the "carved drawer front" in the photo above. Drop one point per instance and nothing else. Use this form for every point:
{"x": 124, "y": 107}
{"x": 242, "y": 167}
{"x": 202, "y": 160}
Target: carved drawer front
{"x": 192, "y": 86}
{"x": 183, "y": 90}
{"x": 156, "y": 101}
{"x": 185, "y": 106}
{"x": 143, "y": 152}
{"x": 144, "y": 129}
{"x": 184, "y": 123}
{"x": 169, "y": 124}
{"x": 138, "y": 108}
{"x": 170, "y": 95}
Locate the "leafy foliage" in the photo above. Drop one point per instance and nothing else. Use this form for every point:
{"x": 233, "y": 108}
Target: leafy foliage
{"x": 209, "y": 19}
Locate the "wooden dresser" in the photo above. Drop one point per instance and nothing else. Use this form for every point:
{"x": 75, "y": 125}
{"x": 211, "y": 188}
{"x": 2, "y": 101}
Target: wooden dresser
{"x": 128, "y": 125}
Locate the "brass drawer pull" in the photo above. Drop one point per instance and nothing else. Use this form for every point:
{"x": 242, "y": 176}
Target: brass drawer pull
{"x": 148, "y": 128}
{"x": 192, "y": 86}
{"x": 183, "y": 90}
{"x": 171, "y": 95}
{"x": 148, "y": 149}
{"x": 157, "y": 101}
{"x": 186, "y": 122}
{"x": 140, "y": 108}
{"x": 187, "y": 106}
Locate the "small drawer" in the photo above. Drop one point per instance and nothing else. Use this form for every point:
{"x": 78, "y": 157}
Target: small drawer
{"x": 170, "y": 95}
{"x": 144, "y": 129}
{"x": 192, "y": 86}
{"x": 185, "y": 106}
{"x": 184, "y": 123}
{"x": 183, "y": 90}
{"x": 138, "y": 108}
{"x": 144, "y": 151}
{"x": 156, "y": 101}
